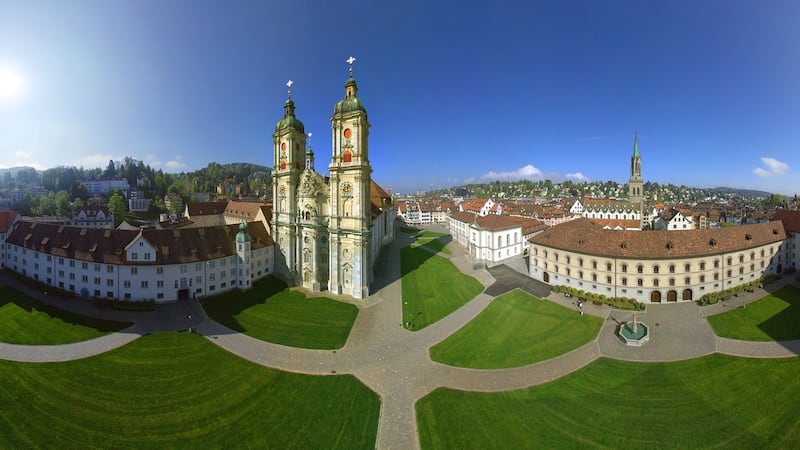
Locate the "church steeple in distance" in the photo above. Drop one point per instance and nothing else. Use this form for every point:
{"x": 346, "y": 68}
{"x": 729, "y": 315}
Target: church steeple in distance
{"x": 636, "y": 184}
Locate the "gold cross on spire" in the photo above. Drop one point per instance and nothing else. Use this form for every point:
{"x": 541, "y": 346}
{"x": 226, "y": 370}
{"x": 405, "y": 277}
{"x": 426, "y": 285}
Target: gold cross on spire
{"x": 289, "y": 85}
{"x": 350, "y": 61}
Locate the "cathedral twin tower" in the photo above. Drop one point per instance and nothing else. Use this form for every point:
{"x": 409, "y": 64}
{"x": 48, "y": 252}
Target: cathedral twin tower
{"x": 322, "y": 227}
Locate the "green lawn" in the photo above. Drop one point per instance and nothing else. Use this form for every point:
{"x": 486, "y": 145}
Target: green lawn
{"x": 715, "y": 401}
{"x": 177, "y": 390}
{"x": 430, "y": 239}
{"x": 272, "y": 313}
{"x": 514, "y": 330}
{"x": 23, "y": 320}
{"x": 772, "y": 318}
{"x": 432, "y": 287}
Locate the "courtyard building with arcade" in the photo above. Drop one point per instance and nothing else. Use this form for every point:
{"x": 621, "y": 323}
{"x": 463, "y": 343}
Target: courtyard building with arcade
{"x": 657, "y": 266}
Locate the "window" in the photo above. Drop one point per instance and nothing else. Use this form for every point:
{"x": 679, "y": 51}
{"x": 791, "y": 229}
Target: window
{"x": 160, "y": 283}
{"x": 716, "y": 277}
{"x": 160, "y": 295}
{"x": 97, "y": 267}
{"x": 655, "y": 282}
{"x": 198, "y": 280}
{"x": 702, "y": 278}
{"x": 741, "y": 258}
{"x": 134, "y": 270}
{"x": 580, "y": 262}
{"x": 110, "y": 269}
{"x": 159, "y": 270}
{"x": 672, "y": 268}
{"x": 134, "y": 256}
{"x": 594, "y": 277}
{"x": 594, "y": 264}
{"x": 126, "y": 283}
{"x": 624, "y": 281}
{"x": 109, "y": 282}
{"x": 72, "y": 263}
{"x": 71, "y": 276}
{"x": 144, "y": 283}
{"x": 703, "y": 265}
{"x": 687, "y": 267}
{"x": 716, "y": 264}
{"x": 608, "y": 280}
{"x": 625, "y": 268}
{"x": 687, "y": 281}
{"x": 639, "y": 269}
{"x": 655, "y": 268}
{"x": 183, "y": 269}
{"x": 61, "y": 261}
{"x": 730, "y": 273}
{"x": 730, "y": 260}
{"x": 198, "y": 267}
{"x": 608, "y": 267}
{"x": 96, "y": 280}
{"x": 85, "y": 266}
{"x": 85, "y": 278}
{"x": 639, "y": 282}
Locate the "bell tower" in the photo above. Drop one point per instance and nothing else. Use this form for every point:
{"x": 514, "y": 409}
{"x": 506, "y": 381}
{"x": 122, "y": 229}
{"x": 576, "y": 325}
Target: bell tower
{"x": 289, "y": 141}
{"x": 350, "y": 206}
{"x": 635, "y": 183}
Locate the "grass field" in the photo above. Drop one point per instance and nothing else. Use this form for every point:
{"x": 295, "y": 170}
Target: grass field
{"x": 432, "y": 287}
{"x": 24, "y": 320}
{"x": 431, "y": 240}
{"x": 715, "y": 401}
{"x": 272, "y": 313}
{"x": 772, "y": 318}
{"x": 514, "y": 330}
{"x": 177, "y": 390}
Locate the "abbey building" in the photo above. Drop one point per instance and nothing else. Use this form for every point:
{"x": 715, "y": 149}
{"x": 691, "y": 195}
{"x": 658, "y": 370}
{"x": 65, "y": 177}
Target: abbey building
{"x": 329, "y": 230}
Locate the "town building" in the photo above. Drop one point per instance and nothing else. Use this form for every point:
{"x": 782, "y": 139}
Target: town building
{"x": 93, "y": 216}
{"x": 657, "y": 266}
{"x": 145, "y": 264}
{"x": 103, "y": 187}
{"x": 493, "y": 239}
{"x": 7, "y": 219}
{"x": 328, "y": 230}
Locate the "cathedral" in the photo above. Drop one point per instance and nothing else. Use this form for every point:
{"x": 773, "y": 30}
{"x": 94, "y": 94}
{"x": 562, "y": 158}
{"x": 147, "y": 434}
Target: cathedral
{"x": 329, "y": 230}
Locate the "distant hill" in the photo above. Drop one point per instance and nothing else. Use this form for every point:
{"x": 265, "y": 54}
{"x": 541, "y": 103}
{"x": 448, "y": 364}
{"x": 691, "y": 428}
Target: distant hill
{"x": 747, "y": 193}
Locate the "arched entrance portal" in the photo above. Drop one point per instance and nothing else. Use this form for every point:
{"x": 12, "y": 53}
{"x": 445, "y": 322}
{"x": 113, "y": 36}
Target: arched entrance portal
{"x": 687, "y": 294}
{"x": 655, "y": 297}
{"x": 546, "y": 277}
{"x": 672, "y": 296}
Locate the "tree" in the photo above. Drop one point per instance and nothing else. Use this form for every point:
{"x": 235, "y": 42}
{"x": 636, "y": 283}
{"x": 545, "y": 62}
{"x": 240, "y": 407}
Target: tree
{"x": 116, "y": 204}
{"x": 111, "y": 171}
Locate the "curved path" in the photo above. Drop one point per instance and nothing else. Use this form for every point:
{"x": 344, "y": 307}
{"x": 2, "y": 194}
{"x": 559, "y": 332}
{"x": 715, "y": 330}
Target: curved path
{"x": 394, "y": 362}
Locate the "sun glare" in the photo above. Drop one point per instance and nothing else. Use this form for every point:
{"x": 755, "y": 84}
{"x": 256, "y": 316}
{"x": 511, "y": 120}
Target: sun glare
{"x": 12, "y": 84}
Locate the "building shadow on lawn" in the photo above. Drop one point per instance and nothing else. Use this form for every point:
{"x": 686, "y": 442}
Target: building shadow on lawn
{"x": 224, "y": 308}
{"x": 782, "y": 327}
{"x": 10, "y": 295}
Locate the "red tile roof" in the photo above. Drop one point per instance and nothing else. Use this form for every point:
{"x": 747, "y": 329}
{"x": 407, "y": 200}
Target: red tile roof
{"x": 205, "y": 208}
{"x": 790, "y": 219}
{"x": 174, "y": 246}
{"x": 6, "y": 219}
{"x": 581, "y": 236}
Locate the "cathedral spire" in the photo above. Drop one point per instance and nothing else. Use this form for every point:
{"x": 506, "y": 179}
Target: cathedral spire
{"x": 309, "y": 154}
{"x": 350, "y": 88}
{"x": 636, "y": 144}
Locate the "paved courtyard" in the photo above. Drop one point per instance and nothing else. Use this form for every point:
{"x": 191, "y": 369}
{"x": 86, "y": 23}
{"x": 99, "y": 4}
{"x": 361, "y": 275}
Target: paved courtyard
{"x": 394, "y": 362}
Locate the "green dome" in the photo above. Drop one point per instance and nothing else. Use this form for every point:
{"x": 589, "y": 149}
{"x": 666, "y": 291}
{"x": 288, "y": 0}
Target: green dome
{"x": 289, "y": 120}
{"x": 349, "y": 105}
{"x": 242, "y": 235}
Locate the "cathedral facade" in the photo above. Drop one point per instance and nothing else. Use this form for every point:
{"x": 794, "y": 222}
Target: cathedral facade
{"x": 324, "y": 227}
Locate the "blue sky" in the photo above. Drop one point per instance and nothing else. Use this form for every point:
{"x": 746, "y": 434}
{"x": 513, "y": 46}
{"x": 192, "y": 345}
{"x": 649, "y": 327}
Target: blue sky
{"x": 456, "y": 91}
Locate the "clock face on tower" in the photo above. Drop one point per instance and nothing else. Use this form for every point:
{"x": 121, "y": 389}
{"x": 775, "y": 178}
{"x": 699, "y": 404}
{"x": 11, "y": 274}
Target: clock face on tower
{"x": 347, "y": 133}
{"x": 347, "y": 189}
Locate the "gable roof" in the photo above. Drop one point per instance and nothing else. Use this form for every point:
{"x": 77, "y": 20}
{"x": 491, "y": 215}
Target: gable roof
{"x": 790, "y": 219}
{"x": 582, "y": 236}
{"x": 244, "y": 210}
{"x": 205, "y": 208}
{"x": 175, "y": 246}
{"x": 6, "y": 219}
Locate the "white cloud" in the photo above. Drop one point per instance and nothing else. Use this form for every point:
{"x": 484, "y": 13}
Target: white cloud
{"x": 22, "y": 155}
{"x": 528, "y": 172}
{"x": 578, "y": 177}
{"x": 773, "y": 168}
{"x": 175, "y": 163}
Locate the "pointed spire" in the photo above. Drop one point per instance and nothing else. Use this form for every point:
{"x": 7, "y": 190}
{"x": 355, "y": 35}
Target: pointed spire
{"x": 350, "y": 88}
{"x": 636, "y": 144}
